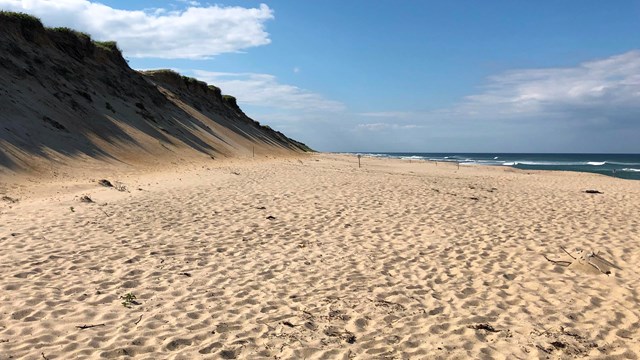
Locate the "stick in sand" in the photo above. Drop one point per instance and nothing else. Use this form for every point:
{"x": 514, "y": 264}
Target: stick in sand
{"x": 82, "y": 327}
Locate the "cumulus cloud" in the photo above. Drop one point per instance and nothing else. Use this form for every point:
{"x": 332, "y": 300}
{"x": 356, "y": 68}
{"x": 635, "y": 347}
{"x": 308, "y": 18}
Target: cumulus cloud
{"x": 196, "y": 32}
{"x": 264, "y": 90}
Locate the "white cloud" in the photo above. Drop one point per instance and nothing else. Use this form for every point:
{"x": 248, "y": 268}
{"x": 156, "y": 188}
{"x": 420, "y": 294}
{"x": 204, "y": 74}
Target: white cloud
{"x": 604, "y": 92}
{"x": 389, "y": 114}
{"x": 601, "y": 89}
{"x": 591, "y": 107}
{"x": 193, "y": 33}
{"x": 264, "y": 90}
{"x": 190, "y": 2}
{"x": 296, "y": 70}
{"x": 386, "y": 126}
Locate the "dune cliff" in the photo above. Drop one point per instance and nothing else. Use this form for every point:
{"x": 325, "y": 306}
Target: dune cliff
{"x": 65, "y": 97}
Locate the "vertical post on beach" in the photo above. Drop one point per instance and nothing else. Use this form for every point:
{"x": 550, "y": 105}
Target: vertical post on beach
{"x": 254, "y": 151}
{"x": 359, "y": 156}
{"x": 457, "y": 163}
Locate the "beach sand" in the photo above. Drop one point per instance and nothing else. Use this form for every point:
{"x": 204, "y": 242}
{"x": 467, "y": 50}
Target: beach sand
{"x": 313, "y": 257}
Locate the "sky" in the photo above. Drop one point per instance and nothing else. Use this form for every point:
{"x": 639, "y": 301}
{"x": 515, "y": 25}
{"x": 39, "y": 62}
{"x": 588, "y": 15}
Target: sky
{"x": 396, "y": 76}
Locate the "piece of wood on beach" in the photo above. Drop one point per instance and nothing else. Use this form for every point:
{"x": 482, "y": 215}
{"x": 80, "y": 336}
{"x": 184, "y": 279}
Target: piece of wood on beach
{"x": 82, "y": 327}
{"x": 590, "y": 258}
{"x": 486, "y": 327}
{"x": 590, "y": 191}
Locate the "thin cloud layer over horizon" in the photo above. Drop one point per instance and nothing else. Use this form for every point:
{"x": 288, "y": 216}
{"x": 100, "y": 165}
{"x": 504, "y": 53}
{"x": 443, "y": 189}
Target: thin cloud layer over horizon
{"x": 197, "y": 32}
{"x": 597, "y": 92}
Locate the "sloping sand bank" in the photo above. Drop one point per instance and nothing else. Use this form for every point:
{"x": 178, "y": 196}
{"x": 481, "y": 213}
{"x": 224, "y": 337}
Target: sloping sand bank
{"x": 313, "y": 258}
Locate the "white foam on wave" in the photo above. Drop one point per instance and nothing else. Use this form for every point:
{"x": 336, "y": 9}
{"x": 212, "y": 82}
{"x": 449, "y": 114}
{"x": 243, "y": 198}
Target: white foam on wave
{"x": 630, "y": 170}
{"x": 623, "y": 163}
{"x": 414, "y": 157}
{"x": 558, "y": 163}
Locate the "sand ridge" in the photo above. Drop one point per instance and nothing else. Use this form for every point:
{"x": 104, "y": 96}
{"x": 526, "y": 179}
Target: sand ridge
{"x": 314, "y": 258}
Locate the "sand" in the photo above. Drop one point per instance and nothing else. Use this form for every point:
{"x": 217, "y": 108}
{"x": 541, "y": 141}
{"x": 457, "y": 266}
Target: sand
{"x": 313, "y": 258}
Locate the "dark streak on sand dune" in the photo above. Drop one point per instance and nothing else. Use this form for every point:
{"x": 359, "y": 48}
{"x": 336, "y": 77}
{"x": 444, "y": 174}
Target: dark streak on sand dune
{"x": 62, "y": 92}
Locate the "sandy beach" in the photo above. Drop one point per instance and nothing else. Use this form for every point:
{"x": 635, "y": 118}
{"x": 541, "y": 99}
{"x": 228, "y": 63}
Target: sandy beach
{"x": 311, "y": 257}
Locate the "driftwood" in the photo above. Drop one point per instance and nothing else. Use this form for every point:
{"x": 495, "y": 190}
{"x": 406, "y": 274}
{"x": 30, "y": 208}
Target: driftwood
{"x": 558, "y": 262}
{"x": 590, "y": 258}
{"x": 82, "y": 327}
{"x": 593, "y": 192}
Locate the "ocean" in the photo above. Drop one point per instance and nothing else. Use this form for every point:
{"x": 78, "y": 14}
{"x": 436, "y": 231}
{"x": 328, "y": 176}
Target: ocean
{"x": 625, "y": 166}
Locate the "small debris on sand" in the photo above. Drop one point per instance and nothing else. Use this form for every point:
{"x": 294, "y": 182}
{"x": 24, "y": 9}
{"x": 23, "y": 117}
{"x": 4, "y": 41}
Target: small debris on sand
{"x": 593, "y": 192}
{"x": 9, "y": 199}
{"x": 485, "y": 327}
{"x": 86, "y": 199}
{"x": 105, "y": 183}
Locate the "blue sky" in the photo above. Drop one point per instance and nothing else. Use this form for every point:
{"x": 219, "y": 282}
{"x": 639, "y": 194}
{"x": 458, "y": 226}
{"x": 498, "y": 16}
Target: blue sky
{"x": 423, "y": 76}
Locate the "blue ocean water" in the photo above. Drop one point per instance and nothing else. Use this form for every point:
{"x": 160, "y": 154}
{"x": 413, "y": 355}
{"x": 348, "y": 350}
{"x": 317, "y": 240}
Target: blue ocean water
{"x": 625, "y": 166}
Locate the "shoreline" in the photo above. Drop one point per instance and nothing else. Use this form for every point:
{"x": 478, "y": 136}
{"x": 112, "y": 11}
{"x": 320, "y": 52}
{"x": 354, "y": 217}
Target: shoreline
{"x": 528, "y": 161}
{"x": 314, "y": 257}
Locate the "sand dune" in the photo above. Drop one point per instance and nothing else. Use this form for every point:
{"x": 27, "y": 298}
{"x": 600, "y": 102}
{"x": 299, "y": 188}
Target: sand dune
{"x": 314, "y": 258}
{"x": 66, "y": 98}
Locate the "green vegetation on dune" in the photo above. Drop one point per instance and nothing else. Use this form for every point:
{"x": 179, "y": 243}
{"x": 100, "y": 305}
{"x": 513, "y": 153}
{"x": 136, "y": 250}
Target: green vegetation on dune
{"x": 231, "y": 102}
{"x": 162, "y": 71}
{"x": 31, "y": 23}
{"x": 107, "y": 45}
{"x": 69, "y": 31}
{"x": 186, "y": 79}
{"x": 193, "y": 81}
{"x": 26, "y": 20}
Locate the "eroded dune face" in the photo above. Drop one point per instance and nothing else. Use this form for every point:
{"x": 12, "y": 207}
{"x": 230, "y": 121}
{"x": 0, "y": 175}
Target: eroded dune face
{"x": 66, "y": 97}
